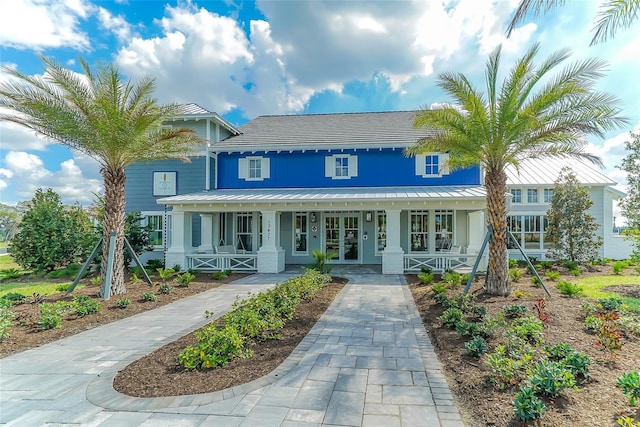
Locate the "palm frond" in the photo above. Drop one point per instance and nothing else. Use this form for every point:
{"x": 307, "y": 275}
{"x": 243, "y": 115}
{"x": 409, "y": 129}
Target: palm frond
{"x": 613, "y": 15}
{"x": 539, "y": 7}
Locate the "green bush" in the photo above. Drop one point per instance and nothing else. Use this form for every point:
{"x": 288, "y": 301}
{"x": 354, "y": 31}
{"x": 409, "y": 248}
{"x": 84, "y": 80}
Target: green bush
{"x": 441, "y": 299}
{"x": 527, "y": 405}
{"x": 6, "y": 315}
{"x": 488, "y": 325}
{"x": 478, "y": 311}
{"x": 513, "y": 311}
{"x": 578, "y": 364}
{"x": 619, "y": 267}
{"x": 425, "y": 278}
{"x": 439, "y": 289}
{"x": 10, "y": 273}
{"x": 219, "y": 275}
{"x": 515, "y": 274}
{"x": 452, "y": 279}
{"x": 570, "y": 265}
{"x": 185, "y": 279}
{"x": 451, "y": 317}
{"x": 51, "y": 314}
{"x": 465, "y": 328}
{"x": 558, "y": 351}
{"x": 214, "y": 347}
{"x": 13, "y": 297}
{"x": 84, "y": 305}
{"x": 148, "y": 297}
{"x": 476, "y": 347}
{"x": 630, "y": 384}
{"x": 569, "y": 289}
{"x": 528, "y": 328}
{"x": 576, "y": 272}
{"x": 321, "y": 259}
{"x": 177, "y": 268}
{"x": 123, "y": 302}
{"x": 552, "y": 275}
{"x": 165, "y": 288}
{"x": 155, "y": 264}
{"x": 509, "y": 362}
{"x": 165, "y": 273}
{"x": 609, "y": 304}
{"x": 550, "y": 378}
{"x": 513, "y": 263}
{"x": 592, "y": 324}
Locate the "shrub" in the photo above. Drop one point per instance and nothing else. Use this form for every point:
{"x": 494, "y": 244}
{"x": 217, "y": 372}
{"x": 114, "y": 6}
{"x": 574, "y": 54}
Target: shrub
{"x": 552, "y": 275}
{"x": 509, "y": 362}
{"x": 123, "y": 302}
{"x": 165, "y": 288}
{"x": 214, "y": 347}
{"x": 185, "y": 279}
{"x": 569, "y": 289}
{"x": 536, "y": 281}
{"x": 84, "y": 305}
{"x": 10, "y": 273}
{"x": 527, "y": 328}
{"x": 441, "y": 299}
{"x": 321, "y": 259}
{"x": 63, "y": 287}
{"x": 513, "y": 311}
{"x": 609, "y": 304}
{"x": 165, "y": 273}
{"x": 488, "y": 325}
{"x": 97, "y": 280}
{"x": 527, "y": 405}
{"x": 6, "y": 315}
{"x": 452, "y": 279}
{"x": 546, "y": 264}
{"x": 630, "y": 384}
{"x": 592, "y": 324}
{"x": 155, "y": 264}
{"x": 479, "y": 311}
{"x": 465, "y": 328}
{"x": 51, "y": 314}
{"x": 608, "y": 337}
{"x": 476, "y": 347}
{"x": 578, "y": 364}
{"x": 515, "y": 274}
{"x": 576, "y": 272}
{"x": 148, "y": 297}
{"x": 550, "y": 378}
{"x": 425, "y": 269}
{"x": 619, "y": 266}
{"x": 513, "y": 263}
{"x": 559, "y": 351}
{"x": 439, "y": 289}
{"x": 177, "y": 268}
{"x": 451, "y": 317}
{"x": 219, "y": 275}
{"x": 425, "y": 278}
{"x": 570, "y": 265}
{"x": 13, "y": 297}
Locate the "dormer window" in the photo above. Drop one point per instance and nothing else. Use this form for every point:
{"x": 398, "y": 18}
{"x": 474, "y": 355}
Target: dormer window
{"x": 341, "y": 166}
{"x": 253, "y": 168}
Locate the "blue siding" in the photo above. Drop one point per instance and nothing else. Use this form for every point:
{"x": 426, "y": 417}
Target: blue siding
{"x": 376, "y": 168}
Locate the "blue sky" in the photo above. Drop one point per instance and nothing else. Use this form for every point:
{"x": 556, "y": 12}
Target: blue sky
{"x": 245, "y": 59}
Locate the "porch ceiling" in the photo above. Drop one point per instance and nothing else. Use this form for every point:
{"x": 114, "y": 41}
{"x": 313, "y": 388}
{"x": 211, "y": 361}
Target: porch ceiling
{"x": 357, "y": 198}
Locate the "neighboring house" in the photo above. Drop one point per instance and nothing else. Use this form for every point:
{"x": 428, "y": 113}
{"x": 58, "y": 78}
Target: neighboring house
{"x": 271, "y": 192}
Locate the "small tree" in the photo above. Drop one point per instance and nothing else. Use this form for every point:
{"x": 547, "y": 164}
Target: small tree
{"x": 51, "y": 235}
{"x": 630, "y": 205}
{"x": 571, "y": 228}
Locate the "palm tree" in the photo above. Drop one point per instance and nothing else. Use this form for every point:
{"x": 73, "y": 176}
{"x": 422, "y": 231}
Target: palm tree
{"x": 511, "y": 123}
{"x": 115, "y": 122}
{"x": 613, "y": 14}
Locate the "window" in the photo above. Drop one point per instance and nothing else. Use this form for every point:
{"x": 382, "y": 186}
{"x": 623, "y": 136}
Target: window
{"x": 381, "y": 231}
{"x": 444, "y": 229}
{"x": 548, "y": 194}
{"x": 244, "y": 231}
{"x": 341, "y": 166}
{"x": 529, "y": 231}
{"x": 517, "y": 195}
{"x": 156, "y": 227}
{"x": 431, "y": 165}
{"x": 254, "y": 168}
{"x": 419, "y": 231}
{"x": 300, "y": 234}
{"x": 532, "y": 195}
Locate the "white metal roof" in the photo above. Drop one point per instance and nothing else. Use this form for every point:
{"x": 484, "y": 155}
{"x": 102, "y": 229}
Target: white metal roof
{"x": 351, "y": 194}
{"x": 534, "y": 172}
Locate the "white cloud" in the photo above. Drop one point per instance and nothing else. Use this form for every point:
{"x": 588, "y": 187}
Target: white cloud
{"x": 26, "y": 172}
{"x": 116, "y": 24}
{"x": 41, "y": 24}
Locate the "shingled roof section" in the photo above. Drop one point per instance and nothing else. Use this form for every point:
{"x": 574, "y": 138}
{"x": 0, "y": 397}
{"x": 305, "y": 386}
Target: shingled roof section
{"x": 190, "y": 109}
{"x": 382, "y": 129}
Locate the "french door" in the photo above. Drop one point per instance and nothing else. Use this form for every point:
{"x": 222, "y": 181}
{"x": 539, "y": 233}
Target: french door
{"x": 342, "y": 236}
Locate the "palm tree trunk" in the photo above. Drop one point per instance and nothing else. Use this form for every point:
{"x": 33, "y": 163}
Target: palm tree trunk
{"x": 114, "y": 221}
{"x": 498, "y": 269}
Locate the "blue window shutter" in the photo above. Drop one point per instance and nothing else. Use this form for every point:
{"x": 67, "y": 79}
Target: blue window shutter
{"x": 329, "y": 166}
{"x": 353, "y": 166}
{"x": 444, "y": 168}
{"x": 243, "y": 168}
{"x": 266, "y": 173}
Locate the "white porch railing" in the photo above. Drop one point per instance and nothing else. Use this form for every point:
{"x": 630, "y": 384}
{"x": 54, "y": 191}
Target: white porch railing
{"x": 439, "y": 262}
{"x": 221, "y": 262}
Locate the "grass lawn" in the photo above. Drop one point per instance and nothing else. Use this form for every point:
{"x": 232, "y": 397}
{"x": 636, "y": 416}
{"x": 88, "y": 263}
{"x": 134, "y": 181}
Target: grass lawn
{"x": 27, "y": 289}
{"x": 7, "y": 262}
{"x": 593, "y": 288}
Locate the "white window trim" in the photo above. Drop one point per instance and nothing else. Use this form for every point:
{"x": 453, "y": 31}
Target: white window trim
{"x": 428, "y": 232}
{"x": 537, "y": 196}
{"x": 293, "y": 235}
{"x": 243, "y": 168}
{"x": 165, "y": 232}
{"x": 330, "y": 166}
{"x": 421, "y": 168}
{"x": 376, "y": 225}
{"x": 513, "y": 197}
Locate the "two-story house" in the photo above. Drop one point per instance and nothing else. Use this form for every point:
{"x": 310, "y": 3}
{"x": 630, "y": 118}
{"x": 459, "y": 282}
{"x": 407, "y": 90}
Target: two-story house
{"x": 271, "y": 192}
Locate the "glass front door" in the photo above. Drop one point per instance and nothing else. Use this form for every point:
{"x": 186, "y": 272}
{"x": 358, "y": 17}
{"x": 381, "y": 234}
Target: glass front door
{"x": 342, "y": 236}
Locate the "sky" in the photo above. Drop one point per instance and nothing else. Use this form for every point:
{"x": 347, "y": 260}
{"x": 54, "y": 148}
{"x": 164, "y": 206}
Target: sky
{"x": 244, "y": 59}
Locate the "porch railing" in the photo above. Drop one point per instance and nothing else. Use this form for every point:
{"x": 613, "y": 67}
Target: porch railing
{"x": 221, "y": 262}
{"x": 439, "y": 262}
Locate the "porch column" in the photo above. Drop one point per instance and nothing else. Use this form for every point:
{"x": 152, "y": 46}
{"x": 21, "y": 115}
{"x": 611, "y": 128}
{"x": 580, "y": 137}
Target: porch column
{"x": 206, "y": 233}
{"x": 270, "y": 255}
{"x": 180, "y": 239}
{"x": 393, "y": 255}
{"x": 477, "y": 227}
{"x": 215, "y": 233}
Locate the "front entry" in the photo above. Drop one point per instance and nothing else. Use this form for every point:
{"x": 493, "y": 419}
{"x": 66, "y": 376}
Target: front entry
{"x": 342, "y": 236}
